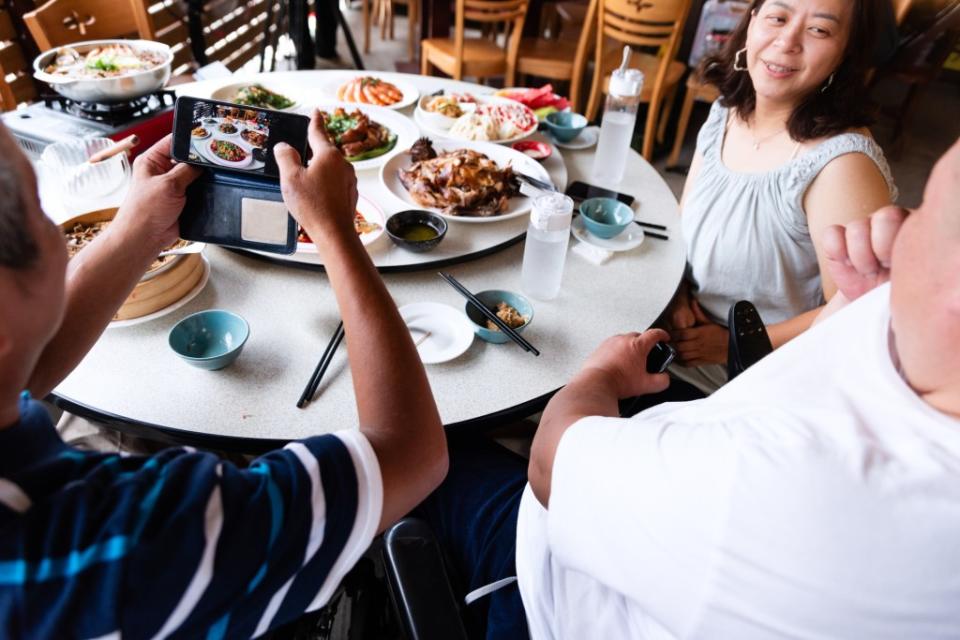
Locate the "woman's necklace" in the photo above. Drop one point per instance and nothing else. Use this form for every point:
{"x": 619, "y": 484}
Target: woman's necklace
{"x": 758, "y": 142}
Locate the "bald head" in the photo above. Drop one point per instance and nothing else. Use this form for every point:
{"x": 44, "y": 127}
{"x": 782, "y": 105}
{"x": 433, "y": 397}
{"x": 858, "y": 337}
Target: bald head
{"x": 18, "y": 249}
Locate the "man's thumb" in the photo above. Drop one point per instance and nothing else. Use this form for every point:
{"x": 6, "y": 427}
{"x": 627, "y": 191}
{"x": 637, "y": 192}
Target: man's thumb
{"x": 288, "y": 160}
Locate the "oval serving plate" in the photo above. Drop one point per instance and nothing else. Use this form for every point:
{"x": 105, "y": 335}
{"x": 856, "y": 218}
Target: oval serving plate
{"x": 370, "y": 212}
{"x": 504, "y": 156}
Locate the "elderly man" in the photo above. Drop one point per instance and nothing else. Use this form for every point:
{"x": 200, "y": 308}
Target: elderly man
{"x": 816, "y": 496}
{"x": 98, "y": 545}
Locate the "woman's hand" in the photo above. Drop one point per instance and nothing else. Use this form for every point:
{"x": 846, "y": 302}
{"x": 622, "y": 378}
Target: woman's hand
{"x": 679, "y": 314}
{"x": 705, "y": 343}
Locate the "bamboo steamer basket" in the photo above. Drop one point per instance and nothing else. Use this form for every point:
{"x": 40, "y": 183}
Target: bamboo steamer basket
{"x": 164, "y": 283}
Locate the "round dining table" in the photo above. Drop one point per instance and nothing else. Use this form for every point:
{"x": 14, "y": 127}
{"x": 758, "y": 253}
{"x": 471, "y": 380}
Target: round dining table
{"x": 133, "y": 381}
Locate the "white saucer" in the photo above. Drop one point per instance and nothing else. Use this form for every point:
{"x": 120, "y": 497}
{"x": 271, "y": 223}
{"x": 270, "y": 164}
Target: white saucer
{"x": 451, "y": 333}
{"x": 630, "y": 238}
{"x": 587, "y": 138}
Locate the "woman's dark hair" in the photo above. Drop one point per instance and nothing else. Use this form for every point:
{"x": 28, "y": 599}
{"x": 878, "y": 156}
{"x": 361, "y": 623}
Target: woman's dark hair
{"x": 842, "y": 106}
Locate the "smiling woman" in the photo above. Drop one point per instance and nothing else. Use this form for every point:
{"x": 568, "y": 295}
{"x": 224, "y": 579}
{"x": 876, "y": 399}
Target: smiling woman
{"x": 783, "y": 156}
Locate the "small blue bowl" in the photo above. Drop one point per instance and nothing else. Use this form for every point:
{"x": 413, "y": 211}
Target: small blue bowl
{"x": 491, "y": 299}
{"x": 564, "y": 126}
{"x": 605, "y": 217}
{"x": 210, "y": 339}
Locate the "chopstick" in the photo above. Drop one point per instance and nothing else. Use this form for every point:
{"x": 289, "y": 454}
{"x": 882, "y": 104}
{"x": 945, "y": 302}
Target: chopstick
{"x": 650, "y": 225}
{"x": 317, "y": 376}
{"x": 124, "y": 145}
{"x": 488, "y": 314}
{"x": 651, "y": 234}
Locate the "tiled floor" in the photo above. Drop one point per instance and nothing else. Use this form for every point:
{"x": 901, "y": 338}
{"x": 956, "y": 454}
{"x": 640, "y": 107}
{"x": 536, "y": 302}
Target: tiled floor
{"x": 932, "y": 128}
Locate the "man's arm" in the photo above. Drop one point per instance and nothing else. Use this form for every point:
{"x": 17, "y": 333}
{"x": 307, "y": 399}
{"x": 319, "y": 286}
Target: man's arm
{"x": 396, "y": 408}
{"x": 100, "y": 277}
{"x": 614, "y": 371}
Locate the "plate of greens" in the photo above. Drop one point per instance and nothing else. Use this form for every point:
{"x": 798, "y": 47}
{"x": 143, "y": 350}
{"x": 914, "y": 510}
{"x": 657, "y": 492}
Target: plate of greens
{"x": 255, "y": 94}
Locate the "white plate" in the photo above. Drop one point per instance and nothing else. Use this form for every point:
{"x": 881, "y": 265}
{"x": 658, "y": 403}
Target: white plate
{"x": 629, "y": 238}
{"x": 368, "y": 210}
{"x": 434, "y": 130}
{"x": 587, "y": 138}
{"x": 410, "y": 92}
{"x": 203, "y": 147}
{"x": 503, "y": 156}
{"x": 451, "y": 333}
{"x": 407, "y": 132}
{"x": 204, "y": 137}
{"x": 226, "y": 93}
{"x": 193, "y": 293}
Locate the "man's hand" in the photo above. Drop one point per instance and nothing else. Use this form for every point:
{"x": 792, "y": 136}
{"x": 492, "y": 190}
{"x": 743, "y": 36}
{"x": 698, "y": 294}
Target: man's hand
{"x": 705, "y": 343}
{"x": 858, "y": 255}
{"x": 156, "y": 196}
{"x": 622, "y": 360}
{"x": 323, "y": 196}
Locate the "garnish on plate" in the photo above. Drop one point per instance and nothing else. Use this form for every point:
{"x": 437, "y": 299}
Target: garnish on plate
{"x": 257, "y": 95}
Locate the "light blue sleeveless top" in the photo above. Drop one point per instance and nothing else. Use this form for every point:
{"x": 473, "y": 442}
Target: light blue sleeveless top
{"x": 746, "y": 233}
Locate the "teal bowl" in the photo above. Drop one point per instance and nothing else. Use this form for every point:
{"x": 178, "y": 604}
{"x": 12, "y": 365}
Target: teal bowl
{"x": 491, "y": 299}
{"x": 605, "y": 217}
{"x": 564, "y": 126}
{"x": 210, "y": 339}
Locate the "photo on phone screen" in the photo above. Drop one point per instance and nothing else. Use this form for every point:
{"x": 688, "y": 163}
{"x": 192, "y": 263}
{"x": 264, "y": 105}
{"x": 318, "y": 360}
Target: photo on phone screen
{"x": 580, "y": 191}
{"x": 221, "y": 135}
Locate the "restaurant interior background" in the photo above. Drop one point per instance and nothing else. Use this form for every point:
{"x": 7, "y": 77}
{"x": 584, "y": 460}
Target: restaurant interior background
{"x": 238, "y": 32}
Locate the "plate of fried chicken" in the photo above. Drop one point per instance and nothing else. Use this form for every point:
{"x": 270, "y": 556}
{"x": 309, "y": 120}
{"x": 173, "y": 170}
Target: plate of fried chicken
{"x": 462, "y": 181}
{"x": 366, "y": 135}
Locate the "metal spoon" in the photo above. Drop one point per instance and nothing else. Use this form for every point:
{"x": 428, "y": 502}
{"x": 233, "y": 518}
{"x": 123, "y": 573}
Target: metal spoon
{"x": 195, "y": 247}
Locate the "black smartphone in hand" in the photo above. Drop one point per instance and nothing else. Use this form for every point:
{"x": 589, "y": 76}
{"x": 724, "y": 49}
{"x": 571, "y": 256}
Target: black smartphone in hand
{"x": 233, "y": 137}
{"x": 660, "y": 357}
{"x": 580, "y": 191}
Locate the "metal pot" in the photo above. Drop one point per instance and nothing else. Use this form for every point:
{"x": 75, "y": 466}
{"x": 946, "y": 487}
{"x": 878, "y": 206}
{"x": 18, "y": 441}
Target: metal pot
{"x": 118, "y": 89}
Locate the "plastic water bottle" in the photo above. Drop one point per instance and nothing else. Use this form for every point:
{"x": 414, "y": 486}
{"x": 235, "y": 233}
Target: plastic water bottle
{"x": 616, "y": 127}
{"x": 546, "y": 246}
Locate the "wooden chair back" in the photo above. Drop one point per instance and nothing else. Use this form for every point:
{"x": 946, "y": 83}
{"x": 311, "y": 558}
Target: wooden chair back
{"x": 900, "y": 10}
{"x": 510, "y": 14}
{"x": 14, "y": 64}
{"x": 60, "y": 22}
{"x": 643, "y": 23}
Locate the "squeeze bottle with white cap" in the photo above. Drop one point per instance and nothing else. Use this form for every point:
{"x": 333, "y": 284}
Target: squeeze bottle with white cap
{"x": 616, "y": 127}
{"x": 546, "y": 246}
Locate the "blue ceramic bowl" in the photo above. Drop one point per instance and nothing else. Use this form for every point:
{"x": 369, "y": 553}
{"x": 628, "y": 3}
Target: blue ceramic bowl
{"x": 400, "y": 224}
{"x": 210, "y": 339}
{"x": 565, "y": 125}
{"x": 605, "y": 217}
{"x": 491, "y": 299}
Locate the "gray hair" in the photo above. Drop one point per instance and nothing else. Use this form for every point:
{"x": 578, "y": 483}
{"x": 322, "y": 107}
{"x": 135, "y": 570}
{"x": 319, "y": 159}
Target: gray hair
{"x": 18, "y": 249}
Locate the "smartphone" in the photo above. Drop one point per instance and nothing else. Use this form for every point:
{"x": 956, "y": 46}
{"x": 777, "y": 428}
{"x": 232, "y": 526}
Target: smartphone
{"x": 580, "y": 191}
{"x": 221, "y": 135}
{"x": 660, "y": 357}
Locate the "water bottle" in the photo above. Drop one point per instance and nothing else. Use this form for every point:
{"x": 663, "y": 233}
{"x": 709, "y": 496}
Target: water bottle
{"x": 546, "y": 247}
{"x": 616, "y": 127}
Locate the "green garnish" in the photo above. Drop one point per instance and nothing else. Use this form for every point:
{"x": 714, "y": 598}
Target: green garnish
{"x": 103, "y": 64}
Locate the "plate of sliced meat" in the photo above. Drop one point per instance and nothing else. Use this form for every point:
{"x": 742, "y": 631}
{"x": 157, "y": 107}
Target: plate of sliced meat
{"x": 366, "y": 136}
{"x": 462, "y": 181}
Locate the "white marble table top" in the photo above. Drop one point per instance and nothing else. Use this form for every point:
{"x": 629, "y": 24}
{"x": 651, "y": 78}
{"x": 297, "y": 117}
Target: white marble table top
{"x": 131, "y": 373}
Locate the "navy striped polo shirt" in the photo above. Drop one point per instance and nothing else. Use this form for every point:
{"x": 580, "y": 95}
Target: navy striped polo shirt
{"x": 180, "y": 544}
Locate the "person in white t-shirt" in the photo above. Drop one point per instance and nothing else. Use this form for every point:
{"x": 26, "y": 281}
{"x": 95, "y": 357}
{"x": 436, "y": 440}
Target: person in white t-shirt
{"x": 816, "y": 496}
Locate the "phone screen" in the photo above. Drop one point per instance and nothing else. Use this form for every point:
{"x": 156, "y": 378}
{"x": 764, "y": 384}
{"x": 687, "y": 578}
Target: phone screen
{"x": 582, "y": 191}
{"x": 221, "y": 135}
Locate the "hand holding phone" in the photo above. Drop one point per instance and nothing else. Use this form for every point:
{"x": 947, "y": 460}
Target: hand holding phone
{"x": 660, "y": 357}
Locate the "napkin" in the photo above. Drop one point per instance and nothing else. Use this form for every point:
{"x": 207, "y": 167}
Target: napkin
{"x": 591, "y": 253}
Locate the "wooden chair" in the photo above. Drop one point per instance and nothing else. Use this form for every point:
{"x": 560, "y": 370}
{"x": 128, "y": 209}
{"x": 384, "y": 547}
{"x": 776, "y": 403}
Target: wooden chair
{"x": 383, "y": 15}
{"x": 550, "y": 58}
{"x": 641, "y": 23}
{"x": 60, "y": 22}
{"x": 478, "y": 57}
{"x": 14, "y": 63}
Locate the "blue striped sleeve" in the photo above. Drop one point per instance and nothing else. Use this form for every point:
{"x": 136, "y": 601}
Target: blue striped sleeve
{"x": 181, "y": 544}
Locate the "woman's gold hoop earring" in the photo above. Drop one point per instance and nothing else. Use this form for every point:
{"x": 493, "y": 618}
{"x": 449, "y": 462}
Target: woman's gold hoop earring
{"x": 829, "y": 83}
{"x": 736, "y": 60}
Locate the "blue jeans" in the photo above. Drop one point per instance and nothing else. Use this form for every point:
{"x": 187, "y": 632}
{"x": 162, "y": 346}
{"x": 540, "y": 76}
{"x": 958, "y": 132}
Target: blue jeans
{"x": 474, "y": 516}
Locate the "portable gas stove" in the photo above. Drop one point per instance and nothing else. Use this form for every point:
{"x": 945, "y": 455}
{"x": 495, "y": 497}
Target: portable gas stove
{"x": 56, "y": 118}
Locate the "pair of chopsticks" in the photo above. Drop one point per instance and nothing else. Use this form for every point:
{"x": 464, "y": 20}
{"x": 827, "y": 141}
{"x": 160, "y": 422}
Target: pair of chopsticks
{"x": 650, "y": 225}
{"x": 488, "y": 314}
{"x": 317, "y": 376}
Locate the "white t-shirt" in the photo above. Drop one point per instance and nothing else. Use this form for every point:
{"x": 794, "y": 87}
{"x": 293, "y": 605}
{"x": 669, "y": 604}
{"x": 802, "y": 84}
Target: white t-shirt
{"x": 816, "y": 496}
